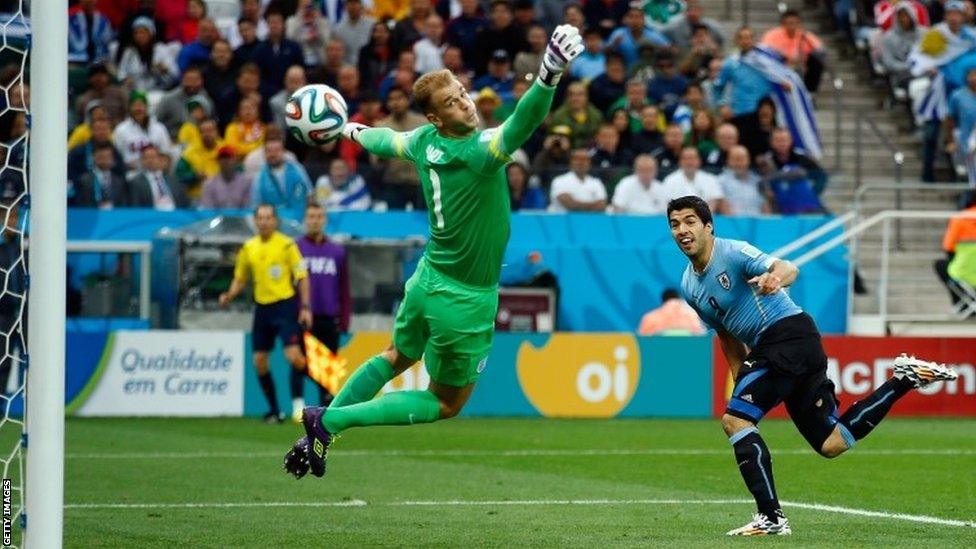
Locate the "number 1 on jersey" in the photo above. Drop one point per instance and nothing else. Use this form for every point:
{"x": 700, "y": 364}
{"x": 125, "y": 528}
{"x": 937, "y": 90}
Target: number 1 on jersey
{"x": 435, "y": 182}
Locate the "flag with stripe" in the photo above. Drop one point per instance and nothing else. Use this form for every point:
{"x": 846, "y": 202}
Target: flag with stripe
{"x": 794, "y": 108}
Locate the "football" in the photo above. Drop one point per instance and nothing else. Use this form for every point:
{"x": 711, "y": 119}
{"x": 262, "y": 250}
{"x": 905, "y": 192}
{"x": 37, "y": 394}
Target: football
{"x": 315, "y": 114}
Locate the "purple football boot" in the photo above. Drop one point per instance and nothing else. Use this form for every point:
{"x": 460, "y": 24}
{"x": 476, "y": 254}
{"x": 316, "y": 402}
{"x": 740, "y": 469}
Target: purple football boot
{"x": 296, "y": 460}
{"x": 318, "y": 439}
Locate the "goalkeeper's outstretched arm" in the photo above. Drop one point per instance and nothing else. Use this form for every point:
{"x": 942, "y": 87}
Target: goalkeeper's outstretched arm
{"x": 382, "y": 142}
{"x": 564, "y": 46}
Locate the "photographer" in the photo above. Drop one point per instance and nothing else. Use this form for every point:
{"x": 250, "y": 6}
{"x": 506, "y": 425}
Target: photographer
{"x": 554, "y": 156}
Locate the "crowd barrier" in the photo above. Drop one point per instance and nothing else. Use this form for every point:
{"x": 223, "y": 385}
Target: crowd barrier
{"x": 590, "y": 375}
{"x": 611, "y": 269}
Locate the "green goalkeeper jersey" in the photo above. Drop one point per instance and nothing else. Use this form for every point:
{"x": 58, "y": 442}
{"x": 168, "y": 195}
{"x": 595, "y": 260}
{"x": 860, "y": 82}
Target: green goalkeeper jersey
{"x": 465, "y": 187}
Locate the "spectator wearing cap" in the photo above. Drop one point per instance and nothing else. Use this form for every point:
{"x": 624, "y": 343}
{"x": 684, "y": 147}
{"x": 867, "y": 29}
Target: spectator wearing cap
{"x": 499, "y": 76}
{"x": 197, "y": 53}
{"x": 342, "y": 189}
{"x": 219, "y": 74}
{"x": 605, "y": 89}
{"x": 577, "y": 190}
{"x": 680, "y": 29}
{"x": 151, "y": 187}
{"x": 101, "y": 186}
{"x": 283, "y": 183}
{"x": 501, "y": 34}
{"x": 138, "y": 131}
{"x": 89, "y": 34}
{"x": 898, "y": 42}
{"x": 80, "y": 157}
{"x": 463, "y": 30}
{"x": 82, "y": 132}
{"x": 100, "y": 88}
{"x": 246, "y": 132}
{"x": 744, "y": 192}
{"x": 639, "y": 193}
{"x": 172, "y": 110}
{"x": 310, "y": 29}
{"x": 353, "y": 30}
{"x": 592, "y": 62}
{"x": 668, "y": 85}
{"x": 146, "y": 64}
{"x": 229, "y": 187}
{"x": 189, "y": 133}
{"x": 429, "y": 50}
{"x": 554, "y": 153}
{"x": 377, "y": 58}
{"x": 527, "y": 62}
{"x": 144, "y": 8}
{"x": 410, "y": 28}
{"x": 277, "y": 53}
{"x": 401, "y": 184}
{"x": 802, "y": 50}
{"x": 886, "y": 12}
{"x": 487, "y": 102}
{"x": 690, "y": 179}
{"x": 199, "y": 160}
{"x": 625, "y": 39}
{"x": 603, "y": 15}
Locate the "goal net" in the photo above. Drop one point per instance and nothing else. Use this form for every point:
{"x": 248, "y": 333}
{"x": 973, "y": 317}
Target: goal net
{"x": 14, "y": 204}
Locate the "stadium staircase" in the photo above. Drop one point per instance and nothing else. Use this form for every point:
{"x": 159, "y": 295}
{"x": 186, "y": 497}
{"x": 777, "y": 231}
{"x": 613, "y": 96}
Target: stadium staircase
{"x": 913, "y": 289}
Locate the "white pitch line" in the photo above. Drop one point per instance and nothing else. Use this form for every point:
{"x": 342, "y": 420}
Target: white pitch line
{"x": 534, "y": 502}
{"x": 514, "y": 453}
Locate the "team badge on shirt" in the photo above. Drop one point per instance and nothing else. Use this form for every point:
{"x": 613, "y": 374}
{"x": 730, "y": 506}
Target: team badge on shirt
{"x": 724, "y": 280}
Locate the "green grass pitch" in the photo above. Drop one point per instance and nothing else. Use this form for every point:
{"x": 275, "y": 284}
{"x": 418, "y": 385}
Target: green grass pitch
{"x": 506, "y": 483}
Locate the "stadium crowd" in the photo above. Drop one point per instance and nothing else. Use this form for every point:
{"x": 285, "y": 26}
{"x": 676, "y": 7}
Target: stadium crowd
{"x": 179, "y": 103}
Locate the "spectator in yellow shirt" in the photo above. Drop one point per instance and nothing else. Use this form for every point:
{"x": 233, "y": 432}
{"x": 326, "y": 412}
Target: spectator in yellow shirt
{"x": 273, "y": 261}
{"x": 199, "y": 160}
{"x": 246, "y": 132}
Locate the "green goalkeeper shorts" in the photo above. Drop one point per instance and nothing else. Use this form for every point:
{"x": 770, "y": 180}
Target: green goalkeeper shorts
{"x": 451, "y": 324}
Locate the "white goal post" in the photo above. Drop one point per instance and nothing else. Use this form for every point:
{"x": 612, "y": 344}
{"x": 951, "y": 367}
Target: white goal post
{"x": 47, "y": 162}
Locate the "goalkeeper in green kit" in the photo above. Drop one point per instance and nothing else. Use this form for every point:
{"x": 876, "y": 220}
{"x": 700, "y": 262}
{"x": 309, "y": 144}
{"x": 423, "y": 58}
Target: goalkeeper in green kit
{"x": 448, "y": 310}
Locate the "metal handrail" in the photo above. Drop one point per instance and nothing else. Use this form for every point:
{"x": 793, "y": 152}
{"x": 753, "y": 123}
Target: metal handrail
{"x": 862, "y": 226}
{"x": 814, "y": 234}
{"x": 885, "y": 218}
{"x": 864, "y": 189}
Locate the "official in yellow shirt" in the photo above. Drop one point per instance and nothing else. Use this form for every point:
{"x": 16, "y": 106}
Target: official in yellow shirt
{"x": 273, "y": 262}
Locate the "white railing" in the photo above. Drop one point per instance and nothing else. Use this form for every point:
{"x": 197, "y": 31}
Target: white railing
{"x": 886, "y": 219}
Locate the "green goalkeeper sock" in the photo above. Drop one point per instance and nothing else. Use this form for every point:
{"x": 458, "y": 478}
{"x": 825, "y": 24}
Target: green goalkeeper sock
{"x": 364, "y": 383}
{"x": 398, "y": 408}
